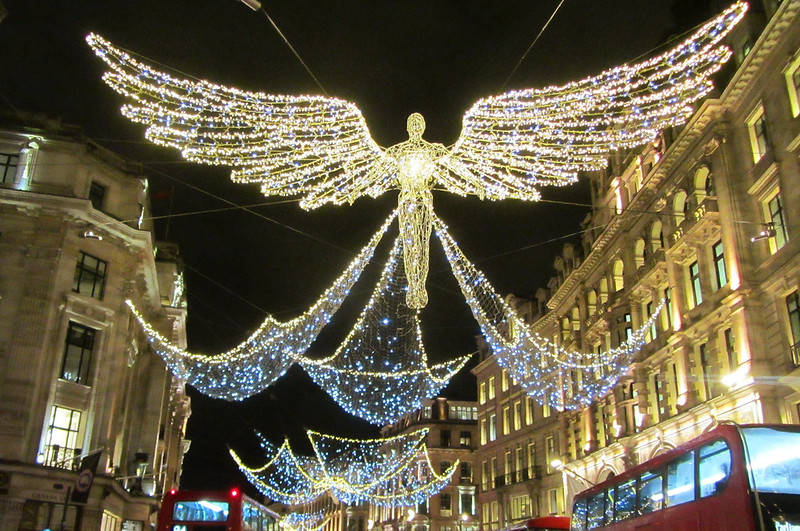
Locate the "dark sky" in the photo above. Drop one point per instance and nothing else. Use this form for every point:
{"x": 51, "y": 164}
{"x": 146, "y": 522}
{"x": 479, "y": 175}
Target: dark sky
{"x": 391, "y": 58}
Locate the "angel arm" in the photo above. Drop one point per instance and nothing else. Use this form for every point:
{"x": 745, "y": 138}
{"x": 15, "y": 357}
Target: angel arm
{"x": 314, "y": 146}
{"x": 522, "y": 139}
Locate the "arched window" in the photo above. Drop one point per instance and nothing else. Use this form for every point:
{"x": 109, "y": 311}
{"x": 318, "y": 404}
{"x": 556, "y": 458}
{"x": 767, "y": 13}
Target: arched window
{"x": 656, "y": 236}
{"x": 591, "y": 301}
{"x": 575, "y": 317}
{"x": 639, "y": 252}
{"x": 679, "y": 207}
{"x": 619, "y": 279}
{"x": 703, "y": 183}
{"x": 603, "y": 290}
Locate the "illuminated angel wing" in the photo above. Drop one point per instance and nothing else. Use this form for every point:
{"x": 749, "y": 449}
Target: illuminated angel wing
{"x": 311, "y": 146}
{"x": 521, "y": 139}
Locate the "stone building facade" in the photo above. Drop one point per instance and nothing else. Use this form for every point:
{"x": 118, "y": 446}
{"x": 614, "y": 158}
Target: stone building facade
{"x": 452, "y": 437}
{"x": 76, "y": 373}
{"x": 707, "y": 219}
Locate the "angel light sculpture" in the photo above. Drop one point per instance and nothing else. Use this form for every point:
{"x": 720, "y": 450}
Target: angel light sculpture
{"x": 320, "y": 147}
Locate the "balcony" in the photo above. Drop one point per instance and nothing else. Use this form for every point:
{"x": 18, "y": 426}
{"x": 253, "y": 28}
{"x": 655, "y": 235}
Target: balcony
{"x": 60, "y": 457}
{"x": 520, "y": 476}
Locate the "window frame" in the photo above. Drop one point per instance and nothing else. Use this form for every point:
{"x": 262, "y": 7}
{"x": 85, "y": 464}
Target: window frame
{"x": 9, "y": 166}
{"x": 85, "y": 353}
{"x": 758, "y": 133}
{"x": 86, "y": 274}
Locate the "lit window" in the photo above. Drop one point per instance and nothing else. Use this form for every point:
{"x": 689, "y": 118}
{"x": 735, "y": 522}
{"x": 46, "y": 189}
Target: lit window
{"x": 8, "y": 167}
{"x": 517, "y": 415}
{"x": 694, "y": 282}
{"x": 492, "y": 427}
{"x": 465, "y": 439}
{"x": 491, "y": 387}
{"x": 792, "y": 74}
{"x": 652, "y": 332}
{"x": 61, "y": 439}
{"x": 90, "y": 276}
{"x": 719, "y": 264}
{"x": 482, "y": 393}
{"x": 757, "y": 129}
{"x": 773, "y": 211}
{"x": 550, "y": 452}
{"x": 504, "y": 380}
{"x": 506, "y": 420}
{"x": 77, "y": 354}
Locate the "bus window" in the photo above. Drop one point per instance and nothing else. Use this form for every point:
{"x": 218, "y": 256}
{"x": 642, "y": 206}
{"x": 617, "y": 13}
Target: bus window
{"x": 579, "y": 515}
{"x": 596, "y": 511}
{"x": 773, "y": 459}
{"x": 625, "y": 500}
{"x": 650, "y": 494}
{"x": 680, "y": 480}
{"x": 200, "y": 511}
{"x": 714, "y": 467}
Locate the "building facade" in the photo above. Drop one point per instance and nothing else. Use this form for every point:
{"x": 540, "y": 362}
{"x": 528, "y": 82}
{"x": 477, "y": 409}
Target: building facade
{"x": 77, "y": 377}
{"x": 452, "y": 437}
{"x": 707, "y": 220}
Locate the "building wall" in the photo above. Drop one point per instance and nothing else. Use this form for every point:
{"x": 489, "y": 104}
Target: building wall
{"x": 680, "y": 220}
{"x": 76, "y": 374}
{"x": 452, "y": 438}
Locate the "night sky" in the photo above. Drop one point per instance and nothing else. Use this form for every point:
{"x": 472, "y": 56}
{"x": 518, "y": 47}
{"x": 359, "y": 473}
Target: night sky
{"x": 391, "y": 58}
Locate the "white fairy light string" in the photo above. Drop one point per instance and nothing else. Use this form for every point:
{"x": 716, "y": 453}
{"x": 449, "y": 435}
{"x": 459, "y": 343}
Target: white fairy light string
{"x": 380, "y": 372}
{"x": 546, "y": 371}
{"x": 392, "y": 471}
{"x": 267, "y": 354}
{"x": 320, "y": 148}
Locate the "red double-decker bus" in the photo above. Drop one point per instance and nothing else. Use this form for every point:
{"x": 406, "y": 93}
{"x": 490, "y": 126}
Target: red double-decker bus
{"x": 732, "y": 478}
{"x": 541, "y": 523}
{"x": 200, "y": 510}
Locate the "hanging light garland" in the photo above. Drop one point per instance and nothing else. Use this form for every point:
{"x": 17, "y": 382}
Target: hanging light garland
{"x": 392, "y": 471}
{"x": 320, "y": 148}
{"x": 267, "y": 354}
{"x": 546, "y": 371}
{"x": 380, "y": 372}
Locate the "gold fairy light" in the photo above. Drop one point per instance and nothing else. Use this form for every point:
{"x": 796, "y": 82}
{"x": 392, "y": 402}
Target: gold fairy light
{"x": 320, "y": 148}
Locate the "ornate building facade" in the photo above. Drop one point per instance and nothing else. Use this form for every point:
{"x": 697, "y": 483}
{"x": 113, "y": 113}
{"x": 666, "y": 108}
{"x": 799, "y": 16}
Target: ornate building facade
{"x": 707, "y": 220}
{"x": 77, "y": 378}
{"x": 452, "y": 437}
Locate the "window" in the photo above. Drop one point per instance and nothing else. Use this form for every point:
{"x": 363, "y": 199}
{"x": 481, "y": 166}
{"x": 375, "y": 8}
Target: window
{"x": 90, "y": 276}
{"x": 661, "y": 402}
{"x": 445, "y": 504}
{"x": 550, "y": 452}
{"x": 492, "y": 427}
{"x": 484, "y": 431}
{"x": 792, "y": 73}
{"x": 650, "y": 493}
{"x": 554, "y": 501}
{"x": 652, "y": 331}
{"x": 61, "y": 439}
{"x": 596, "y": 510}
{"x": 517, "y": 415}
{"x": 465, "y": 439}
{"x": 793, "y": 310}
{"x": 97, "y": 193}
{"x": 493, "y": 472}
{"x": 625, "y": 500}
{"x": 485, "y": 476}
{"x": 466, "y": 472}
{"x": 718, "y": 255}
{"x": 532, "y": 460}
{"x": 504, "y": 380}
{"x": 506, "y": 420}
{"x": 509, "y": 471}
{"x": 520, "y": 507}
{"x": 520, "y": 458}
{"x": 730, "y": 349}
{"x": 680, "y": 480}
{"x": 482, "y": 393}
{"x": 773, "y": 210}
{"x": 8, "y": 167}
{"x": 466, "y": 502}
{"x": 77, "y": 354}
{"x": 713, "y": 468}
{"x": 666, "y": 314}
{"x": 694, "y": 281}
{"x": 705, "y": 366}
{"x": 491, "y": 387}
{"x": 445, "y": 438}
{"x": 757, "y": 129}
{"x": 529, "y": 410}
{"x": 444, "y": 466}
